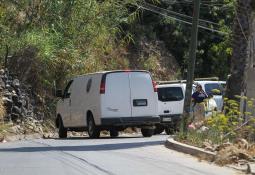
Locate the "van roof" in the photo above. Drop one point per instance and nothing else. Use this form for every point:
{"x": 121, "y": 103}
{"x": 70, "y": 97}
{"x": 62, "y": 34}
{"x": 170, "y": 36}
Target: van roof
{"x": 171, "y": 85}
{"x": 111, "y": 71}
{"x": 206, "y": 82}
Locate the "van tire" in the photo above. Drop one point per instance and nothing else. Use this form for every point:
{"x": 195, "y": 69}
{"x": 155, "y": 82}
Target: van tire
{"x": 114, "y": 133}
{"x": 147, "y": 132}
{"x": 159, "y": 129}
{"x": 62, "y": 131}
{"x": 169, "y": 130}
{"x": 93, "y": 131}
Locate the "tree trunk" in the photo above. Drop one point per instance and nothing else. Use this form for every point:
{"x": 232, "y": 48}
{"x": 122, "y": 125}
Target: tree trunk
{"x": 242, "y": 35}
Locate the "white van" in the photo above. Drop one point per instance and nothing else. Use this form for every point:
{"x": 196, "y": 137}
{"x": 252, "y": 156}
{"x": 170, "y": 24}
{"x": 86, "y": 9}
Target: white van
{"x": 170, "y": 105}
{"x": 112, "y": 100}
{"x": 171, "y": 101}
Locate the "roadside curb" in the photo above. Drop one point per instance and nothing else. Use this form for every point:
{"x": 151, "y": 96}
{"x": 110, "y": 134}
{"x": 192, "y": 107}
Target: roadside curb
{"x": 251, "y": 168}
{"x": 187, "y": 149}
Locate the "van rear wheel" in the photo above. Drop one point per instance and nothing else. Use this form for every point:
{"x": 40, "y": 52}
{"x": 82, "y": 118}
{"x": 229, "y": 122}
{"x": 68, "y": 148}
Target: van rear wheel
{"x": 114, "y": 133}
{"x": 93, "y": 131}
{"x": 62, "y": 131}
{"x": 147, "y": 132}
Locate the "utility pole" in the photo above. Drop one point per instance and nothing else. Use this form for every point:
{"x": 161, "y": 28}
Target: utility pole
{"x": 191, "y": 66}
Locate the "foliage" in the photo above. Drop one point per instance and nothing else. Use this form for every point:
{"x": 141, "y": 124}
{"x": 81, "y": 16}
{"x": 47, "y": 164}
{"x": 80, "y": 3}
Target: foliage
{"x": 213, "y": 47}
{"x": 71, "y": 37}
{"x": 2, "y": 109}
{"x": 75, "y": 37}
{"x": 224, "y": 126}
{"x": 198, "y": 138}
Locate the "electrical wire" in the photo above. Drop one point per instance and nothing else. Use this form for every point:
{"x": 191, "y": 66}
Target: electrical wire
{"x": 183, "y": 21}
{"x": 150, "y": 8}
{"x": 181, "y": 15}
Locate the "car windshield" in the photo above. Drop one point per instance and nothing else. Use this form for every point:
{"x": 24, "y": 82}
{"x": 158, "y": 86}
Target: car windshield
{"x": 170, "y": 94}
{"x": 213, "y": 88}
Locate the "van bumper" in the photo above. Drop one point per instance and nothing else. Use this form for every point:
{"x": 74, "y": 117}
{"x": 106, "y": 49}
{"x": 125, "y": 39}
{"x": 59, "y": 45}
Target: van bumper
{"x": 130, "y": 121}
{"x": 170, "y": 119}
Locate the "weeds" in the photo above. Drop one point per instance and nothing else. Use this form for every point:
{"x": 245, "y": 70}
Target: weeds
{"x": 225, "y": 126}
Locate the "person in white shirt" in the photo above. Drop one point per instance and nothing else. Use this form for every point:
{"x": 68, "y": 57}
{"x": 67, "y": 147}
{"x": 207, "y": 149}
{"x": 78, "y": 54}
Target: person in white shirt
{"x": 211, "y": 106}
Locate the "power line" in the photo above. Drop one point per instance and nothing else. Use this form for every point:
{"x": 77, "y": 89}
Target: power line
{"x": 180, "y": 20}
{"x": 203, "y": 5}
{"x": 179, "y": 14}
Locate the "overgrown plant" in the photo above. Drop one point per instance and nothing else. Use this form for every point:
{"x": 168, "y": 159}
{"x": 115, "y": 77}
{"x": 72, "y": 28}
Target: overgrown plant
{"x": 227, "y": 125}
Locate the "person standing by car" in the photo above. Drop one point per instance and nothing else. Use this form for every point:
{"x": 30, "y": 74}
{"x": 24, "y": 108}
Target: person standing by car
{"x": 198, "y": 97}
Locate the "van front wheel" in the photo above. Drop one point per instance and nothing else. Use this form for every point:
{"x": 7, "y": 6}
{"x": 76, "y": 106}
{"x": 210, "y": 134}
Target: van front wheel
{"x": 93, "y": 131}
{"x": 62, "y": 131}
{"x": 147, "y": 132}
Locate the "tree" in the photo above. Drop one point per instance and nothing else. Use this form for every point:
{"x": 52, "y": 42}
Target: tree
{"x": 243, "y": 34}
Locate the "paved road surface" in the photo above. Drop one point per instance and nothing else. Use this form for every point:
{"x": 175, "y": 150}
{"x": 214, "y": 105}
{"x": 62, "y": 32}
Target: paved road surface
{"x": 81, "y": 156}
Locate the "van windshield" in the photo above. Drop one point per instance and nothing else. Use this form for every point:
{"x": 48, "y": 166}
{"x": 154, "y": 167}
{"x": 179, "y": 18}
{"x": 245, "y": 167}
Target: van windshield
{"x": 213, "y": 88}
{"x": 170, "y": 94}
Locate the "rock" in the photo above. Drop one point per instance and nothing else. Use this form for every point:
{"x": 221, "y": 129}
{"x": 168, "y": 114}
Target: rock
{"x": 30, "y": 127}
{"x": 209, "y": 148}
{"x": 75, "y": 134}
{"x": 242, "y": 162}
{"x": 48, "y": 135}
{"x": 2, "y": 140}
{"x": 204, "y": 128}
{"x": 222, "y": 146}
{"x": 16, "y": 83}
{"x": 16, "y": 110}
{"x": 14, "y": 129}
{"x": 2, "y": 71}
{"x": 243, "y": 155}
{"x": 242, "y": 143}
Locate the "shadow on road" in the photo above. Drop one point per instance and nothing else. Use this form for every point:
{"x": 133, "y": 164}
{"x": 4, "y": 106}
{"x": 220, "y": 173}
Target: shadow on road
{"x": 100, "y": 138}
{"x": 101, "y": 147}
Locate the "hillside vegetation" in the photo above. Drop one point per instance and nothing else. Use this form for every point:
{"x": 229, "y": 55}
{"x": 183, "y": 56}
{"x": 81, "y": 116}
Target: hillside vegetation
{"x": 51, "y": 41}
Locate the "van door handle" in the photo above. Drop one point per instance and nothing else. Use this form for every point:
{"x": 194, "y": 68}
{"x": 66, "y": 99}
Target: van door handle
{"x": 70, "y": 101}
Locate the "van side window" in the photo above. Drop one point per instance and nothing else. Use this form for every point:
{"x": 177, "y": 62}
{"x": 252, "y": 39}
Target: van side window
{"x": 67, "y": 91}
{"x": 89, "y": 85}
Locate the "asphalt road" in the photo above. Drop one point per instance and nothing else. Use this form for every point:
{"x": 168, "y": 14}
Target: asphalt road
{"x": 81, "y": 156}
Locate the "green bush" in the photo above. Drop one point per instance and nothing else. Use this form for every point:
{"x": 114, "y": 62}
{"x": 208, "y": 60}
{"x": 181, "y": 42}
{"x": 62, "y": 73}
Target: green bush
{"x": 224, "y": 126}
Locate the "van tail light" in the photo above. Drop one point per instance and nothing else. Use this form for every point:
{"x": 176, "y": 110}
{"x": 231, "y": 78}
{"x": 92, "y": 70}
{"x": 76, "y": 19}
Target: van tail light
{"x": 102, "y": 84}
{"x": 154, "y": 86}
{"x": 102, "y": 88}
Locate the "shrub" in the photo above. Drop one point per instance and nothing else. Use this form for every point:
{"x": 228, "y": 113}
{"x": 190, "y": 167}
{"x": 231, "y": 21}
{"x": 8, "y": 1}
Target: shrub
{"x": 225, "y": 126}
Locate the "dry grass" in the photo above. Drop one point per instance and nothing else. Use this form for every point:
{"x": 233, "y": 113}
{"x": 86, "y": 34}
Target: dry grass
{"x": 2, "y": 109}
{"x": 2, "y": 114}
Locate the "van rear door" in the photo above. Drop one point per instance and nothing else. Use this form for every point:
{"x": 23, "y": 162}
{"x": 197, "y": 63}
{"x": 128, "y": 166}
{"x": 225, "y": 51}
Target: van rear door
{"x": 116, "y": 98}
{"x": 171, "y": 100}
{"x": 143, "y": 97}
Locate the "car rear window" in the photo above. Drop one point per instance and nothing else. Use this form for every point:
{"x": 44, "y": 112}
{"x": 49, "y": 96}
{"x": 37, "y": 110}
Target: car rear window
{"x": 170, "y": 94}
{"x": 210, "y": 87}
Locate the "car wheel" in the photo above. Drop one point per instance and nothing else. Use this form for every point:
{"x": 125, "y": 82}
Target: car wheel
{"x": 169, "y": 131}
{"x": 147, "y": 132}
{"x": 114, "y": 133}
{"x": 62, "y": 131}
{"x": 93, "y": 131}
{"x": 159, "y": 129}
